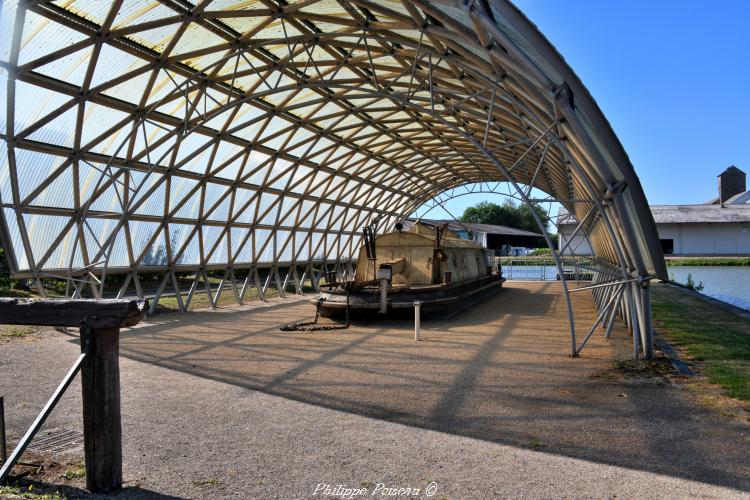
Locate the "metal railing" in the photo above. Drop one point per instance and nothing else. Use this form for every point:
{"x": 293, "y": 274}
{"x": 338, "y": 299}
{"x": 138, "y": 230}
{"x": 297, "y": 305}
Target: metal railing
{"x": 530, "y": 269}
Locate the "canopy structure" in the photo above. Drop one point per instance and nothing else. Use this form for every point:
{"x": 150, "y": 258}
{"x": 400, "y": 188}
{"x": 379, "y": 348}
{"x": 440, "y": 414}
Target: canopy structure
{"x": 167, "y": 136}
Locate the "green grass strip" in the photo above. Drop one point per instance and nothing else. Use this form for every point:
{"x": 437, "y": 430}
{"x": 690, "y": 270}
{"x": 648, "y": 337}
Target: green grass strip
{"x": 716, "y": 338}
{"x": 708, "y": 261}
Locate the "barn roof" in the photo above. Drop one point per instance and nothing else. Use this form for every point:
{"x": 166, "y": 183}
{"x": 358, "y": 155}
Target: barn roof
{"x": 683, "y": 214}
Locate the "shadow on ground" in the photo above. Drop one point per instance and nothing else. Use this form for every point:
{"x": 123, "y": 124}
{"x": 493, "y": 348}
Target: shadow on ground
{"x": 41, "y": 488}
{"x": 499, "y": 372}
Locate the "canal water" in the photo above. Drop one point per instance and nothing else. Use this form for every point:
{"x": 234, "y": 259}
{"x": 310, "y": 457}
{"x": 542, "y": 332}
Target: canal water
{"x": 727, "y": 283}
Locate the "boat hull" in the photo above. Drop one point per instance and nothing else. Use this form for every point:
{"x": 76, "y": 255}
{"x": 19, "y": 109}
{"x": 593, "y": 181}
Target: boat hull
{"x": 439, "y": 301}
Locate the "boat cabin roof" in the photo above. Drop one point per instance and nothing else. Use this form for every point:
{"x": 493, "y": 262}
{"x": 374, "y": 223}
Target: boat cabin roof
{"x": 422, "y": 236}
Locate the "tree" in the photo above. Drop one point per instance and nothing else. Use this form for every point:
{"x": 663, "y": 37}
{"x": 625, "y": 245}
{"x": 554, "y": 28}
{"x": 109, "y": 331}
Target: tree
{"x": 508, "y": 214}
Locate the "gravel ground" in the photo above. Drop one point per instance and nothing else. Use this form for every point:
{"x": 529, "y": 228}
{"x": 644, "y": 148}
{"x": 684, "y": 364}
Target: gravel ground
{"x": 224, "y": 405}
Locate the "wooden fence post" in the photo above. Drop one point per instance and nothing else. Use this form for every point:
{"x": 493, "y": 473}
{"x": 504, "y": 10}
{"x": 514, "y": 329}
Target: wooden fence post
{"x": 99, "y": 322}
{"x": 102, "y": 428}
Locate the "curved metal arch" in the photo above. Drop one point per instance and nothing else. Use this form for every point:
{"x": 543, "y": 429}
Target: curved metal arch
{"x": 508, "y": 178}
{"x": 365, "y": 95}
{"x": 475, "y": 90}
{"x": 452, "y": 196}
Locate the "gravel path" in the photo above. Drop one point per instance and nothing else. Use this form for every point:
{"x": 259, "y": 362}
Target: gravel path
{"x": 222, "y": 405}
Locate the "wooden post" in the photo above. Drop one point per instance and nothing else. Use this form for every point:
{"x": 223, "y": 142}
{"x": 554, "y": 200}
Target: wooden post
{"x": 99, "y": 322}
{"x": 102, "y": 429}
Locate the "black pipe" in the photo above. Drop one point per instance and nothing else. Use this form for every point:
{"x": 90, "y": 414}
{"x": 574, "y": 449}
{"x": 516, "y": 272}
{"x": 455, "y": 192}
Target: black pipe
{"x": 3, "y": 443}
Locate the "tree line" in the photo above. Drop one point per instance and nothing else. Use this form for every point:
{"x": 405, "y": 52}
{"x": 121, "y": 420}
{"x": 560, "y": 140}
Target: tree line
{"x": 508, "y": 214}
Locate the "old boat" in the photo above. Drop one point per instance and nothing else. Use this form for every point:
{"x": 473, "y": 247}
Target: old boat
{"x": 431, "y": 265}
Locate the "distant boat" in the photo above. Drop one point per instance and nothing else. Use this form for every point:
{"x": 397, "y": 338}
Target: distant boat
{"x": 434, "y": 266}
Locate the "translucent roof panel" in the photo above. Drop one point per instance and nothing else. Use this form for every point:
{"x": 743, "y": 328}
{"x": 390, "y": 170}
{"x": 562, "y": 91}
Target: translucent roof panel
{"x": 222, "y": 134}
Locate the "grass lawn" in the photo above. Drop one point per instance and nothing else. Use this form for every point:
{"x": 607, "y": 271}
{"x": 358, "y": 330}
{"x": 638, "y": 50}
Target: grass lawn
{"x": 200, "y": 299}
{"x": 708, "y": 261}
{"x": 716, "y": 340}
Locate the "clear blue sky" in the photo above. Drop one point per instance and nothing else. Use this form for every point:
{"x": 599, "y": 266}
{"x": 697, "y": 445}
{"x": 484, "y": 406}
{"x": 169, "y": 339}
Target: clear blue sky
{"x": 672, "y": 77}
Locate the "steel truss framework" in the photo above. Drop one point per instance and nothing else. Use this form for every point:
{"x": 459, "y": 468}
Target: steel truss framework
{"x": 168, "y": 136}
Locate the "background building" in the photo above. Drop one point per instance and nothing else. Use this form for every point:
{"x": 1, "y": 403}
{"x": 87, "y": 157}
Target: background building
{"x": 502, "y": 239}
{"x": 720, "y": 226}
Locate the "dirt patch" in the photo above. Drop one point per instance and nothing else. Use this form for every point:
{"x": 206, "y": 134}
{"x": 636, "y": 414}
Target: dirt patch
{"x": 714, "y": 397}
{"x": 53, "y": 476}
{"x": 21, "y": 333}
{"x": 659, "y": 370}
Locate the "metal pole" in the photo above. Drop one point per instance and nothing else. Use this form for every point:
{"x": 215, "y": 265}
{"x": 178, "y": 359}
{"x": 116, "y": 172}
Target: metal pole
{"x": 605, "y": 293}
{"x": 640, "y": 320}
{"x": 647, "y": 330}
{"x": 3, "y": 443}
{"x": 613, "y": 313}
{"x": 601, "y": 295}
{"x": 608, "y": 283}
{"x": 626, "y": 309}
{"x": 598, "y": 271}
{"x": 417, "y": 318}
{"x": 632, "y": 292}
{"x": 383, "y": 295}
{"x": 595, "y": 291}
{"x": 570, "y": 238}
{"x": 601, "y": 316}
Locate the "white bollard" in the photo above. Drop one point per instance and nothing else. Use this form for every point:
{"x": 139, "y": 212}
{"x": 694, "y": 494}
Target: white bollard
{"x": 383, "y": 296}
{"x": 417, "y": 305}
